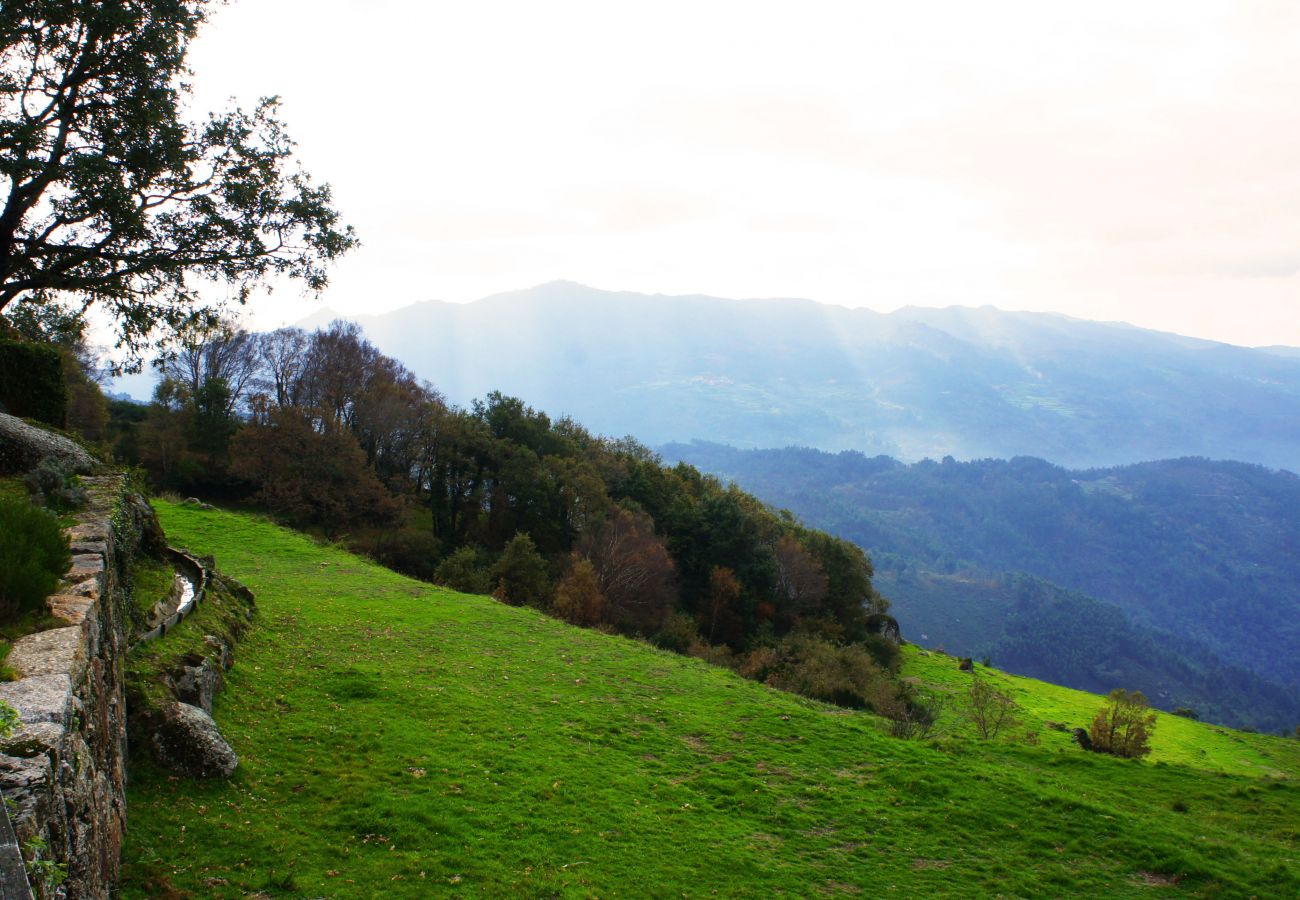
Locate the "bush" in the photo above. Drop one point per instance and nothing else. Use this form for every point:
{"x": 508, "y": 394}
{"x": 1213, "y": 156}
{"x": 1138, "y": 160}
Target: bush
{"x": 845, "y": 675}
{"x": 31, "y": 382}
{"x": 990, "y": 710}
{"x": 56, "y": 485}
{"x": 916, "y": 715}
{"x": 678, "y": 632}
{"x": 468, "y": 570}
{"x": 1123, "y": 726}
{"x": 520, "y": 574}
{"x": 887, "y": 654}
{"x": 577, "y": 597}
{"x": 33, "y": 557}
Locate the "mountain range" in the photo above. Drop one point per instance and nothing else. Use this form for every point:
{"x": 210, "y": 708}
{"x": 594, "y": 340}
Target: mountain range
{"x": 914, "y": 383}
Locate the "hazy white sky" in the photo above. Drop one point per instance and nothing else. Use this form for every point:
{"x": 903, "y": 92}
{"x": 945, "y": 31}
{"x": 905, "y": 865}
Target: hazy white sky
{"x": 1108, "y": 160}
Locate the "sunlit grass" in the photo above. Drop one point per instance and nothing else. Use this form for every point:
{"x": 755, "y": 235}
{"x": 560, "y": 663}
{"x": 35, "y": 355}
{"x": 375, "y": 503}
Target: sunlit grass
{"x": 1176, "y": 740}
{"x": 400, "y": 740}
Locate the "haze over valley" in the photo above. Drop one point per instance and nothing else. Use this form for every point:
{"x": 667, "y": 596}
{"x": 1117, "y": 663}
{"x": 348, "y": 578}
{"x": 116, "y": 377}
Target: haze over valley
{"x": 915, "y": 383}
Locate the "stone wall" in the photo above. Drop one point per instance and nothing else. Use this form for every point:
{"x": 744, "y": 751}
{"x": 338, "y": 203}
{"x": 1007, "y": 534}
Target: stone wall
{"x": 64, "y": 773}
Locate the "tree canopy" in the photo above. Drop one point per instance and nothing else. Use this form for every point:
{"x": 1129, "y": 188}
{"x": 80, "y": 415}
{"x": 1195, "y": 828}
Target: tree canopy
{"x": 113, "y": 197}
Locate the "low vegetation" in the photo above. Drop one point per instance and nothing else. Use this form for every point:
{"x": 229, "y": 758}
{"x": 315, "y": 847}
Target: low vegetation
{"x": 33, "y": 557}
{"x": 403, "y": 739}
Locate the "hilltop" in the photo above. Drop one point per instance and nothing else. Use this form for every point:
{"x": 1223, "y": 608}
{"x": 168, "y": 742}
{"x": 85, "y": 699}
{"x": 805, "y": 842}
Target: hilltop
{"x": 400, "y": 737}
{"x": 913, "y": 383}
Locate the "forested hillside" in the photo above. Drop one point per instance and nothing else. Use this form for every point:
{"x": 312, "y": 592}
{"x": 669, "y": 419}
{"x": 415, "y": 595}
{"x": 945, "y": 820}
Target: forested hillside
{"x": 330, "y": 435}
{"x": 970, "y": 383}
{"x": 1194, "y": 563}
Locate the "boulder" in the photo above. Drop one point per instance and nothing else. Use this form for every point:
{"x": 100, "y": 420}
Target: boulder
{"x": 221, "y": 648}
{"x": 1082, "y": 738}
{"x": 152, "y": 539}
{"x": 189, "y": 742}
{"x": 198, "y": 684}
{"x": 23, "y": 446}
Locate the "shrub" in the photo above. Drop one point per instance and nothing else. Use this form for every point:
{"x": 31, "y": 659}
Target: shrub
{"x": 713, "y": 654}
{"x": 1123, "y": 726}
{"x": 56, "y": 485}
{"x": 467, "y": 570}
{"x": 990, "y": 710}
{"x": 918, "y": 716}
{"x": 33, "y": 556}
{"x": 677, "y": 633}
{"x": 1186, "y": 712}
{"x": 577, "y": 597}
{"x": 845, "y": 675}
{"x": 887, "y": 654}
{"x": 520, "y": 574}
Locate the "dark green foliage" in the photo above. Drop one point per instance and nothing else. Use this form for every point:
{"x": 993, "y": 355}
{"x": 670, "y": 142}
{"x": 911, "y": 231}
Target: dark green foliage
{"x": 521, "y": 576}
{"x": 33, "y": 556}
{"x": 413, "y": 552}
{"x": 1186, "y": 712}
{"x": 55, "y": 485}
{"x": 679, "y": 630}
{"x": 467, "y": 569}
{"x": 843, "y": 674}
{"x": 31, "y": 382}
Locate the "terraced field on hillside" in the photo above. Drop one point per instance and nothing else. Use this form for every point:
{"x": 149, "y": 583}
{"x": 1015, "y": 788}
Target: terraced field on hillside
{"x": 401, "y": 740}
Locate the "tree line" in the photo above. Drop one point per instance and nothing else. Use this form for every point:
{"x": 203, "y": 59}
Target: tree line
{"x": 329, "y": 434}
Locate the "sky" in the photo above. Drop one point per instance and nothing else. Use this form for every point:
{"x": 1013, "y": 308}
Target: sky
{"x": 1120, "y": 161}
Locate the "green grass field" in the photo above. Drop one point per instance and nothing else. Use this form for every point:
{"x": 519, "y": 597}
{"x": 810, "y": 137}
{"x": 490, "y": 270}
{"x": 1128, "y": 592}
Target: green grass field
{"x": 400, "y": 740}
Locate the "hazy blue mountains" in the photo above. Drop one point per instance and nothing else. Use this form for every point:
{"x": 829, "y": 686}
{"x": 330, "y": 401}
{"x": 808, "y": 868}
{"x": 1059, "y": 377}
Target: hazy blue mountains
{"x": 969, "y": 383}
{"x": 1179, "y": 577}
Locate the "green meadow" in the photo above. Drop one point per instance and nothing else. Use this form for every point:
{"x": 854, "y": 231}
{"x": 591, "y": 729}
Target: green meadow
{"x": 400, "y": 740}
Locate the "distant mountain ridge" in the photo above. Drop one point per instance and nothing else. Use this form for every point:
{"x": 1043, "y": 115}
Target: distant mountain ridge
{"x": 914, "y": 383}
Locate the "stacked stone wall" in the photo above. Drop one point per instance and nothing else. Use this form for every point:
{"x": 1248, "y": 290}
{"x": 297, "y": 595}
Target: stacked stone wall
{"x": 63, "y": 774}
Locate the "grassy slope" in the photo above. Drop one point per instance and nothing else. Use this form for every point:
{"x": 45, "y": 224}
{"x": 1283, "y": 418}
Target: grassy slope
{"x": 1178, "y": 741}
{"x": 400, "y": 739}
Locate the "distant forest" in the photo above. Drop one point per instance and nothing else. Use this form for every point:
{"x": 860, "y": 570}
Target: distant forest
{"x": 1177, "y": 577}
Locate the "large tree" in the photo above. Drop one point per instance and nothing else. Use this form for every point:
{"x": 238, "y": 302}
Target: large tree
{"x": 113, "y": 196}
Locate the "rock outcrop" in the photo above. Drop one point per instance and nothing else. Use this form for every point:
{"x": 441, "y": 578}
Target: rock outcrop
{"x": 188, "y": 741}
{"x": 23, "y": 446}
